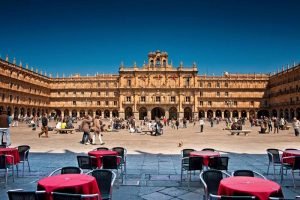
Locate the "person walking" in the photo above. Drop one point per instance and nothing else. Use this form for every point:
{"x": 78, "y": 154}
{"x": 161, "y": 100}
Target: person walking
{"x": 15, "y": 121}
{"x": 96, "y": 127}
{"x": 270, "y": 125}
{"x": 177, "y": 124}
{"x": 201, "y": 122}
{"x": 276, "y": 125}
{"x": 86, "y": 130}
{"x": 44, "y": 126}
{"x": 211, "y": 122}
{"x": 5, "y": 122}
{"x": 296, "y": 126}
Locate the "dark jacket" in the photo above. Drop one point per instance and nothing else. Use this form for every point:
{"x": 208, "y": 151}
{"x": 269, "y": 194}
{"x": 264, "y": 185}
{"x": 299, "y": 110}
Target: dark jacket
{"x": 4, "y": 121}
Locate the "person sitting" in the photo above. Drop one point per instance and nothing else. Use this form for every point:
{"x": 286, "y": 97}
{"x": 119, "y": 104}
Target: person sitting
{"x": 63, "y": 124}
{"x": 109, "y": 128}
{"x": 58, "y": 125}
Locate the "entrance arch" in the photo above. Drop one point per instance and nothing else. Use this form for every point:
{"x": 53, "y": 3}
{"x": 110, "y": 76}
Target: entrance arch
{"x": 226, "y": 114}
{"x": 28, "y": 112}
{"x": 298, "y": 113}
{"x": 173, "y": 113}
{"x": 115, "y": 113}
{"x": 188, "y": 113}
{"x": 16, "y": 112}
{"x": 74, "y": 113}
{"x": 218, "y": 113}
{"x": 22, "y": 112}
{"x": 90, "y": 113}
{"x": 34, "y": 112}
{"x": 209, "y": 114}
{"x": 157, "y": 112}
{"x": 244, "y": 114}
{"x": 142, "y": 113}
{"x": 274, "y": 113}
{"x": 235, "y": 114}
{"x": 292, "y": 113}
{"x": 128, "y": 112}
{"x": 98, "y": 112}
{"x": 106, "y": 114}
{"x": 58, "y": 112}
{"x": 38, "y": 112}
{"x": 81, "y": 113}
{"x": 66, "y": 112}
{"x": 262, "y": 113}
{"x": 286, "y": 114}
{"x": 201, "y": 114}
{"x": 281, "y": 113}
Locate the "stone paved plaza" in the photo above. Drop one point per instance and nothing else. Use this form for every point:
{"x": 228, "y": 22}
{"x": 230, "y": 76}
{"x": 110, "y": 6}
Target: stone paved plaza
{"x": 153, "y": 164}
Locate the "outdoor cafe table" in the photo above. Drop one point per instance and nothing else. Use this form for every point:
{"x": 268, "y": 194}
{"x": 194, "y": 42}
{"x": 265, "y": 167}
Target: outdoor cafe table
{"x": 101, "y": 153}
{"x": 288, "y": 153}
{"x": 249, "y": 186}
{"x": 205, "y": 155}
{"x": 70, "y": 183}
{"x": 13, "y": 152}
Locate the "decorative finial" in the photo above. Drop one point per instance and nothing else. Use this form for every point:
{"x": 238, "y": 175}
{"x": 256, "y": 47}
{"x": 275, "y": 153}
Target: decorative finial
{"x": 45, "y": 73}
{"x": 26, "y": 66}
{"x": 56, "y": 74}
{"x": 63, "y": 75}
{"x": 282, "y": 68}
{"x": 37, "y": 70}
{"x": 194, "y": 64}
{"x": 181, "y": 64}
{"x": 288, "y": 66}
{"x": 20, "y": 64}
{"x": 14, "y": 61}
{"x": 171, "y": 63}
{"x": 144, "y": 64}
{"x": 6, "y": 58}
{"x": 134, "y": 64}
{"x": 50, "y": 75}
{"x": 31, "y": 68}
{"x": 41, "y": 72}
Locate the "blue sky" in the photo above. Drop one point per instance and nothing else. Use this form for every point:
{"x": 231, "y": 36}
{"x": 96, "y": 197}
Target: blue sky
{"x": 89, "y": 36}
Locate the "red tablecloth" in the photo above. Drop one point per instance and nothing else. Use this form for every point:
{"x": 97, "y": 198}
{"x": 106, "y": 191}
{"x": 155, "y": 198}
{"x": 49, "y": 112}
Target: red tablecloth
{"x": 251, "y": 186}
{"x": 205, "y": 155}
{"x": 288, "y": 153}
{"x": 78, "y": 183}
{"x": 99, "y": 154}
{"x": 13, "y": 152}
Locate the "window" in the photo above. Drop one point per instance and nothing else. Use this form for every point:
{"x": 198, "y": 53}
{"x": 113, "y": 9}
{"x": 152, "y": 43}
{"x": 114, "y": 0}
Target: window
{"x": 98, "y": 103}
{"x": 201, "y": 84}
{"x": 128, "y": 99}
{"x": 297, "y": 98}
{"x": 106, "y": 103}
{"x": 157, "y": 99}
{"x": 115, "y": 103}
{"x": 98, "y": 84}
{"x": 11, "y": 85}
{"x": 58, "y": 93}
{"x": 157, "y": 62}
{"x": 201, "y": 94}
{"x": 208, "y": 84}
{"x": 3, "y": 97}
{"x": 226, "y": 85}
{"x": 115, "y": 94}
{"x": 129, "y": 83}
{"x": 187, "y": 99}
{"x": 82, "y": 93}
{"x": 251, "y": 103}
{"x": 66, "y": 92}
{"x": 10, "y": 98}
{"x": 107, "y": 85}
{"x": 218, "y": 85}
{"x": 218, "y": 94}
{"x": 143, "y": 99}
{"x": 164, "y": 63}
{"x": 187, "y": 83}
{"x": 74, "y": 92}
{"x": 74, "y": 103}
{"x": 235, "y": 103}
{"x": 209, "y": 103}
{"x": 173, "y": 99}
{"x": 106, "y": 94}
{"x": 226, "y": 94}
{"x": 99, "y": 93}
{"x": 201, "y": 103}
{"x": 151, "y": 63}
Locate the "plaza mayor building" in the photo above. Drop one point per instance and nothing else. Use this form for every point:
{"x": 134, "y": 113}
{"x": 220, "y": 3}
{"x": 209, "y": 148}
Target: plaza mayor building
{"x": 157, "y": 88}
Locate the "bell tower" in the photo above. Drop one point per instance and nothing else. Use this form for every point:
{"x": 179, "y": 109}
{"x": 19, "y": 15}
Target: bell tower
{"x": 158, "y": 59}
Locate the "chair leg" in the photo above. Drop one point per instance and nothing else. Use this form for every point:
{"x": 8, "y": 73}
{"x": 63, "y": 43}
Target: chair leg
{"x": 23, "y": 168}
{"x": 181, "y": 175}
{"x": 6, "y": 176}
{"x": 293, "y": 178}
{"x": 13, "y": 172}
{"x": 274, "y": 172}
{"x": 17, "y": 167}
{"x": 28, "y": 165}
{"x": 268, "y": 169}
{"x": 281, "y": 174}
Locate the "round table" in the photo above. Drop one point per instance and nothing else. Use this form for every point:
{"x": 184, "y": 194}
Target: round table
{"x": 205, "y": 155}
{"x": 13, "y": 152}
{"x": 251, "y": 186}
{"x": 288, "y": 153}
{"x": 71, "y": 183}
{"x": 99, "y": 154}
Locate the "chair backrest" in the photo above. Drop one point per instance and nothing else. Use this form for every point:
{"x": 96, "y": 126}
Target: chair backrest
{"x": 101, "y": 149}
{"x": 109, "y": 162}
{"x": 296, "y": 164}
{"x": 84, "y": 162}
{"x": 219, "y": 163}
{"x": 3, "y": 146}
{"x": 121, "y": 151}
{"x": 105, "y": 179}
{"x": 3, "y": 163}
{"x": 195, "y": 163}
{"x": 273, "y": 155}
{"x": 69, "y": 196}
{"x": 23, "y": 152}
{"x": 287, "y": 149}
{"x": 211, "y": 178}
{"x": 208, "y": 149}
{"x": 25, "y": 195}
{"x": 186, "y": 152}
{"x": 243, "y": 173}
{"x": 71, "y": 170}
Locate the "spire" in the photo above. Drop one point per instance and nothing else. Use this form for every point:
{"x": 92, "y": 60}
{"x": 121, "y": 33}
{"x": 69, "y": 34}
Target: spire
{"x": 14, "y": 61}
{"x": 20, "y": 64}
{"x": 37, "y": 70}
{"x": 134, "y": 64}
{"x": 6, "y": 58}
{"x": 56, "y": 74}
{"x": 50, "y": 75}
{"x": 26, "y": 66}
{"x": 121, "y": 65}
{"x": 45, "y": 73}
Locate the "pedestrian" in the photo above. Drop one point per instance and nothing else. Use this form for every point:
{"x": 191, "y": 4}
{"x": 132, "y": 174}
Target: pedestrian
{"x": 5, "y": 122}
{"x": 44, "y": 126}
{"x": 296, "y": 126}
{"x": 276, "y": 125}
{"x": 184, "y": 122}
{"x": 86, "y": 130}
{"x": 211, "y": 122}
{"x": 270, "y": 125}
{"x": 201, "y": 122}
{"x": 96, "y": 128}
{"x": 15, "y": 121}
{"x": 177, "y": 124}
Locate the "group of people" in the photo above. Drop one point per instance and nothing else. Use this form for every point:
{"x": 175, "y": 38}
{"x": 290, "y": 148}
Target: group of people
{"x": 90, "y": 124}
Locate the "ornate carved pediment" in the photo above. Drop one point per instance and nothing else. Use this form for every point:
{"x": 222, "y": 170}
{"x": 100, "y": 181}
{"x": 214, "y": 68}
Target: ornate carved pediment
{"x": 173, "y": 77}
{"x": 158, "y": 77}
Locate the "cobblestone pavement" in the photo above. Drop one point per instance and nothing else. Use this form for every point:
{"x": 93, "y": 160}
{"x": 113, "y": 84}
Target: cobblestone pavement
{"x": 153, "y": 169}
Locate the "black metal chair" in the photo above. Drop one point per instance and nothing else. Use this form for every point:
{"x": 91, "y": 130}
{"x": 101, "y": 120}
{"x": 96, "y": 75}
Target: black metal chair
{"x": 24, "y": 154}
{"x": 208, "y": 149}
{"x": 293, "y": 167}
{"x": 219, "y": 163}
{"x": 101, "y": 149}
{"x": 274, "y": 159}
{"x": 245, "y": 172}
{"x": 87, "y": 162}
{"x": 20, "y": 194}
{"x": 221, "y": 197}
{"x": 123, "y": 153}
{"x": 190, "y": 164}
{"x": 282, "y": 198}
{"x": 211, "y": 180}
{"x": 3, "y": 146}
{"x": 290, "y": 149}
{"x": 5, "y": 165}
{"x": 112, "y": 163}
{"x": 186, "y": 152}
{"x": 105, "y": 179}
{"x": 68, "y": 196}
{"x": 67, "y": 170}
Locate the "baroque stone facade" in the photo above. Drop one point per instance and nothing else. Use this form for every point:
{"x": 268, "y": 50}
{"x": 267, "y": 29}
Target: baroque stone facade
{"x": 155, "y": 89}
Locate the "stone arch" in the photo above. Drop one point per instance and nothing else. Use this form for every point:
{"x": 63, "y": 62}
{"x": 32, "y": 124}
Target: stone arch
{"x": 244, "y": 114}
{"x": 128, "y": 112}
{"x": 33, "y": 112}
{"x": 22, "y": 111}
{"x": 235, "y": 114}
{"x": 218, "y": 113}
{"x": 173, "y": 113}
{"x": 252, "y": 113}
{"x": 298, "y": 113}
{"x": 66, "y": 112}
{"x": 9, "y": 110}
{"x": 142, "y": 113}
{"x": 286, "y": 114}
{"x": 201, "y": 114}
{"x": 90, "y": 113}
{"x": 274, "y": 113}
{"x": 188, "y": 113}
{"x": 74, "y": 113}
{"x": 98, "y": 112}
{"x": 16, "y": 111}
{"x": 210, "y": 114}
{"x": 227, "y": 114}
{"x": 106, "y": 114}
{"x": 281, "y": 113}
{"x": 262, "y": 113}
{"x": 81, "y": 113}
{"x": 292, "y": 113}
{"x": 38, "y": 112}
{"x": 28, "y": 112}
{"x": 115, "y": 113}
{"x": 58, "y": 112}
{"x": 157, "y": 112}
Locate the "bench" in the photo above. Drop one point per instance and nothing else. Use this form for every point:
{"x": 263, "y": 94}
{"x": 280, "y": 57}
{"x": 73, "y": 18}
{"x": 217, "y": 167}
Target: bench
{"x": 64, "y": 130}
{"x": 237, "y": 132}
{"x": 148, "y": 131}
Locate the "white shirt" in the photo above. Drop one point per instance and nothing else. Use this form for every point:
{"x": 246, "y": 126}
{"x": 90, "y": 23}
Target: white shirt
{"x": 201, "y": 121}
{"x": 296, "y": 124}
